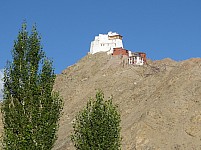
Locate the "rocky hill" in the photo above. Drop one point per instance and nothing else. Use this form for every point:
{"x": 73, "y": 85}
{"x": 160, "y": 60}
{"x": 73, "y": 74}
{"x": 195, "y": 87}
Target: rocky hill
{"x": 160, "y": 103}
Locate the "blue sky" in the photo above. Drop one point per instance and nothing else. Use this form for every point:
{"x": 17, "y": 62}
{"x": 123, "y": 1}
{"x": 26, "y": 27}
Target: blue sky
{"x": 160, "y": 28}
{"x": 1, "y": 84}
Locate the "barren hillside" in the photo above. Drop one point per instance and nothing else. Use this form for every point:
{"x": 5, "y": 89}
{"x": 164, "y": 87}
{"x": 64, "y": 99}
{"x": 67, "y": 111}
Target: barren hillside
{"x": 160, "y": 103}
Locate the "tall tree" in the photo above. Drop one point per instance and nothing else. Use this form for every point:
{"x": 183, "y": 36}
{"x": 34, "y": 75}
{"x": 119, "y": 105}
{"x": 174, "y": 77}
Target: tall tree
{"x": 97, "y": 126}
{"x": 30, "y": 108}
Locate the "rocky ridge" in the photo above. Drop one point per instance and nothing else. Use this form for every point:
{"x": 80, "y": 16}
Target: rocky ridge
{"x": 160, "y": 103}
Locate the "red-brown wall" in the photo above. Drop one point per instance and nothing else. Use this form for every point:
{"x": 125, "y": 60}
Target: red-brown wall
{"x": 143, "y": 55}
{"x": 120, "y": 51}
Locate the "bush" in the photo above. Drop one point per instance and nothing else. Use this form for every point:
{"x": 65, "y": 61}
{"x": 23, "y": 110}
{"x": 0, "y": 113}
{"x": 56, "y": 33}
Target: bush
{"x": 97, "y": 126}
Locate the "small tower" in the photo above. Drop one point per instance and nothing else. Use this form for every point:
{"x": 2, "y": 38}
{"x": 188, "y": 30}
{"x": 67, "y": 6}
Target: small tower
{"x": 106, "y": 43}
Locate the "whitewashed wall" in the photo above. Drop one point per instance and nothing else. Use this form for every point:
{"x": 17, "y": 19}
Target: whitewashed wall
{"x": 102, "y": 43}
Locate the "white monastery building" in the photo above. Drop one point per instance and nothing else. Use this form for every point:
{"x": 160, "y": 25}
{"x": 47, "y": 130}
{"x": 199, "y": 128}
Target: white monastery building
{"x": 106, "y": 43}
{"x": 113, "y": 45}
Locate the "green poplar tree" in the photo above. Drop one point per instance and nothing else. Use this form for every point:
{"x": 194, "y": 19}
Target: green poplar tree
{"x": 97, "y": 126}
{"x": 30, "y": 108}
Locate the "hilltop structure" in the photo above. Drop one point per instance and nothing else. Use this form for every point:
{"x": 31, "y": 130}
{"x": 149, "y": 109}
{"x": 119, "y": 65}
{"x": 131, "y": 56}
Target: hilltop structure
{"x": 137, "y": 58}
{"x": 112, "y": 44}
{"x": 106, "y": 43}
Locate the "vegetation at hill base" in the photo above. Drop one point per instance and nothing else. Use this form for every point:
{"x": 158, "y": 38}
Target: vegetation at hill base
{"x": 97, "y": 126}
{"x": 30, "y": 108}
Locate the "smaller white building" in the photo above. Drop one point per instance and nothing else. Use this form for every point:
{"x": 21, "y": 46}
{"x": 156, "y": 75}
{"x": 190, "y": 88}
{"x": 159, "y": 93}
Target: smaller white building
{"x": 137, "y": 58}
{"x": 106, "y": 43}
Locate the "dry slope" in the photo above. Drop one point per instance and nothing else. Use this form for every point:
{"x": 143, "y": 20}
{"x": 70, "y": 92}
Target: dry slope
{"x": 160, "y": 103}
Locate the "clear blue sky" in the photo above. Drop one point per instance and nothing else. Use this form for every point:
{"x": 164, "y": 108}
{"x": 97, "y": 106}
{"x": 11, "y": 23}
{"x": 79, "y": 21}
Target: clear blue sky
{"x": 161, "y": 28}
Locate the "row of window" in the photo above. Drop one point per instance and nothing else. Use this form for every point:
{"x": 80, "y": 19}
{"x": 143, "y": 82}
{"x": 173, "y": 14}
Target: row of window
{"x": 107, "y": 44}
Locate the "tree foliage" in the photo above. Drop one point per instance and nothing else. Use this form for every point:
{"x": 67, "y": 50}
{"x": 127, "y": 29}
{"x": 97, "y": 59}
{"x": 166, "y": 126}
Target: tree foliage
{"x": 30, "y": 108}
{"x": 97, "y": 126}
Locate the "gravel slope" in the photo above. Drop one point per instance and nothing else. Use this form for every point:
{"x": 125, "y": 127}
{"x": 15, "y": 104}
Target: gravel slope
{"x": 160, "y": 103}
